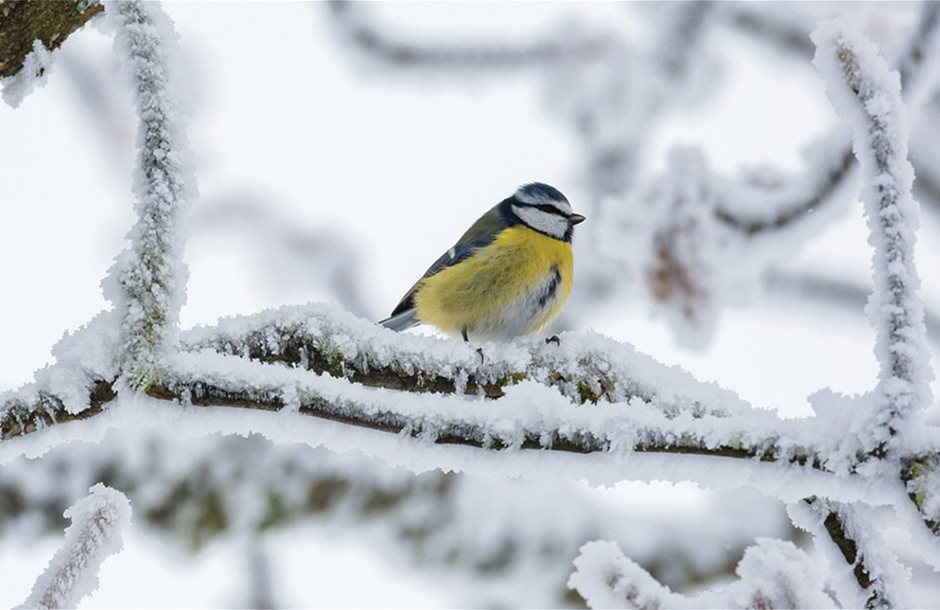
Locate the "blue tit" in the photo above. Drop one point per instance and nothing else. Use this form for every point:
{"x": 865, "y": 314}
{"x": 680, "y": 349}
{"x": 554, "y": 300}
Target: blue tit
{"x": 508, "y": 275}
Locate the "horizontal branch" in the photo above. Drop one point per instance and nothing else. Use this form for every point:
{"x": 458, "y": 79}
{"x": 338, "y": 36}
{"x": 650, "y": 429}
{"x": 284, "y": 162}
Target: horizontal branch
{"x": 584, "y": 367}
{"x": 477, "y": 431}
{"x": 31, "y": 411}
{"x": 645, "y": 408}
{"x": 354, "y": 24}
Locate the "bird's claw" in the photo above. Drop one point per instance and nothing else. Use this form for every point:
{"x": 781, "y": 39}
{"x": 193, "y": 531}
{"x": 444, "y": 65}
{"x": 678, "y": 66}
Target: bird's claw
{"x": 553, "y": 339}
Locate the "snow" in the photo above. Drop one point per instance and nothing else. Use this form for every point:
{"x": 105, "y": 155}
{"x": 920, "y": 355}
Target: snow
{"x": 772, "y": 574}
{"x": 147, "y": 281}
{"x": 607, "y": 579}
{"x": 890, "y": 580}
{"x": 33, "y": 74}
{"x": 584, "y": 366}
{"x": 98, "y": 520}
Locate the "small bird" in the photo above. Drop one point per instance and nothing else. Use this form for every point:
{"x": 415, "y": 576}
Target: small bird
{"x": 508, "y": 275}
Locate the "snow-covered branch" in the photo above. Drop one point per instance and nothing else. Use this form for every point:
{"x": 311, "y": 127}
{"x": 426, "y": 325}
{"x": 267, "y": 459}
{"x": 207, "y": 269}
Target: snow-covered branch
{"x": 529, "y": 415}
{"x": 587, "y": 395}
{"x": 772, "y": 574}
{"x": 585, "y": 367}
{"x": 35, "y": 408}
{"x": 875, "y": 578}
{"x": 150, "y": 275}
{"x": 245, "y": 361}
{"x": 97, "y": 523}
{"x": 867, "y": 92}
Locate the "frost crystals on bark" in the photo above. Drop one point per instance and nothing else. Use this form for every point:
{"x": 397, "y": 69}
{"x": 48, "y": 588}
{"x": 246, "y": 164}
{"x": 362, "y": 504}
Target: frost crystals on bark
{"x": 151, "y": 274}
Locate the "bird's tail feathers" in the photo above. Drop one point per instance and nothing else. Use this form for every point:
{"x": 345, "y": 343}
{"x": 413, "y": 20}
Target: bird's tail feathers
{"x": 401, "y": 321}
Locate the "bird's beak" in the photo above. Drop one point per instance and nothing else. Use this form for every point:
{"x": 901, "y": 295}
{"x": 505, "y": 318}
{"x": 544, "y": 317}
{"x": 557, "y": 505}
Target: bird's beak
{"x": 575, "y": 219}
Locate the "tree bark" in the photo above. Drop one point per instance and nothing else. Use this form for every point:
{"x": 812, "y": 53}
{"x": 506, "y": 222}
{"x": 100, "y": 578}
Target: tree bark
{"x": 22, "y": 22}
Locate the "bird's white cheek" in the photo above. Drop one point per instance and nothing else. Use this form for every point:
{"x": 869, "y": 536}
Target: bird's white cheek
{"x": 550, "y": 224}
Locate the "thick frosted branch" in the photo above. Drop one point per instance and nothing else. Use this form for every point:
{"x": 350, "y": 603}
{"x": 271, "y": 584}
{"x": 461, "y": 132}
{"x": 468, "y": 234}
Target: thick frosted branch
{"x": 354, "y": 24}
{"x": 151, "y": 275}
{"x": 772, "y": 574}
{"x": 592, "y": 394}
{"x": 95, "y": 534}
{"x": 529, "y": 416}
{"x": 866, "y": 92}
{"x": 35, "y": 408}
{"x": 585, "y": 367}
{"x": 875, "y": 578}
{"x": 666, "y": 408}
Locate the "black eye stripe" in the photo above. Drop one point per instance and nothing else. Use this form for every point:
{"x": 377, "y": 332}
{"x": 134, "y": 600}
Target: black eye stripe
{"x": 550, "y": 209}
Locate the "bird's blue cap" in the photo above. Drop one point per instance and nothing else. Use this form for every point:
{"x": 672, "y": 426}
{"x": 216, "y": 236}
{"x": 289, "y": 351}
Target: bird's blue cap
{"x": 538, "y": 192}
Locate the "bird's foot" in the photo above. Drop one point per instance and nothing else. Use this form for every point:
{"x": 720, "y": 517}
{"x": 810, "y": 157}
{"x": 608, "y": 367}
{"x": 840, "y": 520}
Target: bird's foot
{"x": 482, "y": 358}
{"x": 553, "y": 339}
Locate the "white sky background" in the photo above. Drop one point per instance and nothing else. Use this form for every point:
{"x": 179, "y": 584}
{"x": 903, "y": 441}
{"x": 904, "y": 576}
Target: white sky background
{"x": 399, "y": 167}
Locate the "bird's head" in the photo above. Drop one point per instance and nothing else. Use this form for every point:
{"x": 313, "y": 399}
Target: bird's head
{"x": 543, "y": 208}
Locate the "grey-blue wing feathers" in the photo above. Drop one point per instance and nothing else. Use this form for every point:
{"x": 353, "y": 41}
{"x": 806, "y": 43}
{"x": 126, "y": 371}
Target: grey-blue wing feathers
{"x": 480, "y": 234}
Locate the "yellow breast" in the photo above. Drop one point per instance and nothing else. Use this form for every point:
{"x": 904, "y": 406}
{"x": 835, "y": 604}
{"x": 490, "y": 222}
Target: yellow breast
{"x": 496, "y": 292}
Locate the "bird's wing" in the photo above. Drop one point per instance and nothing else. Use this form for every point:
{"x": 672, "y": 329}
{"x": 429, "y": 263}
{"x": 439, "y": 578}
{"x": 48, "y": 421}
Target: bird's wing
{"x": 480, "y": 234}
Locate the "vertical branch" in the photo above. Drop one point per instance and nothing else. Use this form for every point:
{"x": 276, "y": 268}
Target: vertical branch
{"x": 151, "y": 275}
{"x": 95, "y": 533}
{"x": 863, "y": 88}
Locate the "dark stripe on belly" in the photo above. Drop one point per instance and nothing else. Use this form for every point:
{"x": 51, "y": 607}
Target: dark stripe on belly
{"x": 548, "y": 293}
